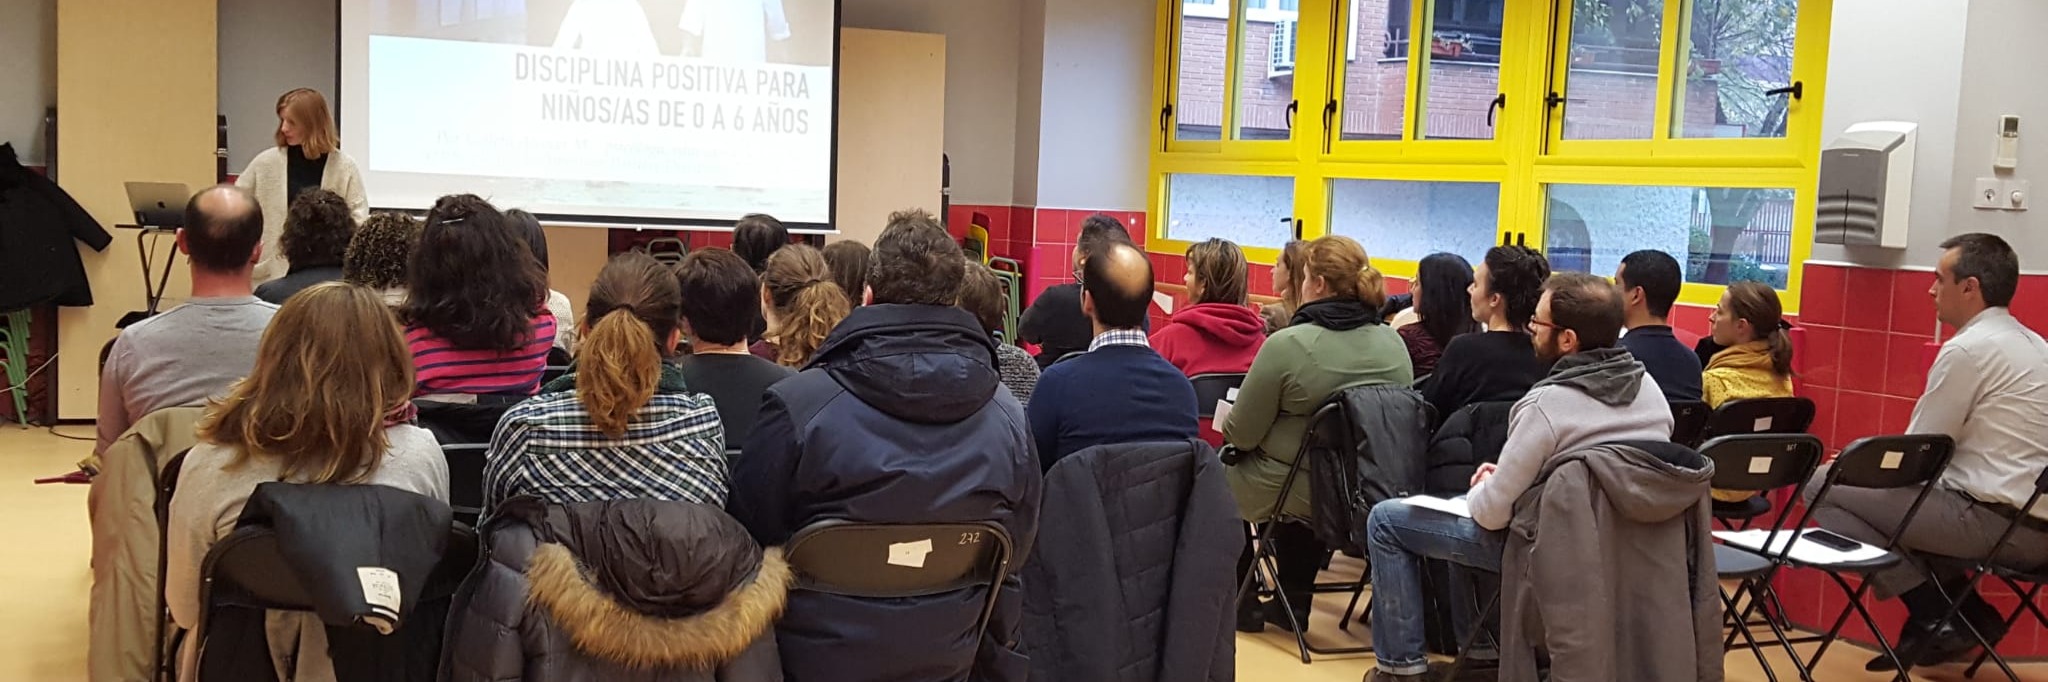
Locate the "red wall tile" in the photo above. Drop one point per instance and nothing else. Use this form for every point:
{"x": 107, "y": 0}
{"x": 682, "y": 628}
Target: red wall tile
{"x": 1819, "y": 356}
{"x": 1896, "y": 416}
{"x": 1912, "y": 308}
{"x": 1820, "y": 300}
{"x": 1857, "y": 415}
{"x": 1864, "y": 354}
{"x": 1867, "y": 303}
{"x": 1689, "y": 322}
{"x": 2030, "y": 303}
{"x": 1824, "y": 400}
{"x": 1905, "y": 374}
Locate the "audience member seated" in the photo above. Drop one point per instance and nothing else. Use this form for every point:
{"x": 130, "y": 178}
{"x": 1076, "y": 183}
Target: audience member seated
{"x": 848, "y": 259}
{"x": 982, "y": 294}
{"x": 903, "y": 420}
{"x": 316, "y": 237}
{"x": 756, "y": 237}
{"x": 1120, "y": 391}
{"x": 1649, "y": 282}
{"x": 1758, "y": 360}
{"x": 474, "y": 309}
{"x": 1279, "y": 315}
{"x": 558, "y": 303}
{"x": 1595, "y": 393}
{"x": 194, "y": 351}
{"x": 1988, "y": 390}
{"x": 326, "y": 404}
{"x": 801, "y": 304}
{"x": 1442, "y": 309}
{"x": 619, "y": 591}
{"x": 1499, "y": 364}
{"x": 720, "y": 301}
{"x": 379, "y": 253}
{"x": 1336, "y": 341}
{"x": 623, "y": 424}
{"x": 1055, "y": 321}
{"x": 1217, "y": 332}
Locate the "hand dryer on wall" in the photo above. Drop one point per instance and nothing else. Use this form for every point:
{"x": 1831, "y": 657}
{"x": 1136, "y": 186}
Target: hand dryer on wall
{"x": 1866, "y": 186}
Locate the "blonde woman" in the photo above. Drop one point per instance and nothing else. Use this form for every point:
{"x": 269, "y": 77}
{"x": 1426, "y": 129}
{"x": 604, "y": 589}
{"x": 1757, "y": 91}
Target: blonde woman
{"x": 329, "y": 402}
{"x": 307, "y": 156}
{"x": 801, "y": 303}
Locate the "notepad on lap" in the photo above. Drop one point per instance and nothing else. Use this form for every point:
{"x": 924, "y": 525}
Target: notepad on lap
{"x": 1456, "y": 506}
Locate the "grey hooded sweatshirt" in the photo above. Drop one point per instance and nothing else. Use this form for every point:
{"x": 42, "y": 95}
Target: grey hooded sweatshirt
{"x": 1592, "y": 397}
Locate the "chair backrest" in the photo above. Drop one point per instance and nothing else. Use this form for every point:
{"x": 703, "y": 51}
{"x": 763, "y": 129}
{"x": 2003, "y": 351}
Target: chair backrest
{"x": 466, "y": 478}
{"x": 1764, "y": 462}
{"x": 552, "y": 372}
{"x": 1688, "y": 421}
{"x": 879, "y": 561}
{"x": 1210, "y": 388}
{"x": 1888, "y": 462}
{"x": 1759, "y": 415}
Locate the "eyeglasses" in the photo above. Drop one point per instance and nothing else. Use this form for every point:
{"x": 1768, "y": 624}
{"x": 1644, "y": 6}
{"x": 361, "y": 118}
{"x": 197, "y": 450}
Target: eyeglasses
{"x": 1533, "y": 322}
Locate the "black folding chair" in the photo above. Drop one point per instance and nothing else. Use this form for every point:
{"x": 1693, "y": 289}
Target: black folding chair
{"x": 1327, "y": 424}
{"x": 466, "y": 479}
{"x": 1760, "y": 463}
{"x": 1688, "y": 421}
{"x": 1213, "y": 388}
{"x": 1883, "y": 462}
{"x": 1754, "y": 415}
{"x": 166, "y": 485}
{"x": 886, "y": 561}
{"x": 2013, "y": 576}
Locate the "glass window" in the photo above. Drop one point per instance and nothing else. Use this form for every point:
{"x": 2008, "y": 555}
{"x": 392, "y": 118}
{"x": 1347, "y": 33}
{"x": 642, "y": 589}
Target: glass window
{"x": 1251, "y": 210}
{"x": 1265, "y": 79}
{"x": 1375, "y": 70}
{"x": 1740, "y": 50}
{"x": 1403, "y": 220}
{"x": 1722, "y": 234}
{"x": 1200, "y": 59}
{"x": 1462, "y": 76}
{"x": 1611, "y": 89}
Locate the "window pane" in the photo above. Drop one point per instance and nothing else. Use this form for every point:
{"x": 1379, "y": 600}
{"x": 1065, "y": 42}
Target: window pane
{"x": 1403, "y": 220}
{"x": 1740, "y": 50}
{"x": 1462, "y": 76}
{"x": 1252, "y": 210}
{"x": 1375, "y": 70}
{"x": 1722, "y": 234}
{"x": 1204, "y": 29}
{"x": 1265, "y": 79}
{"x": 1611, "y": 90}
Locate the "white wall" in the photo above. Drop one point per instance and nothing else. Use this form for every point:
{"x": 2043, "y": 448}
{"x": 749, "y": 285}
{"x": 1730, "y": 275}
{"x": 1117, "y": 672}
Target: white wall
{"x": 28, "y": 81}
{"x": 2000, "y": 75}
{"x": 1030, "y": 79}
{"x": 981, "y": 84}
{"x": 1096, "y": 116}
{"x": 268, "y": 47}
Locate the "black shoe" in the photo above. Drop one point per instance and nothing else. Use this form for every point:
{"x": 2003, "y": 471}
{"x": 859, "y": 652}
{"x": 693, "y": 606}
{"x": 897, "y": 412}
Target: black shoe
{"x": 1913, "y": 637}
{"x": 1251, "y": 615}
{"x": 1954, "y": 643}
{"x": 1378, "y": 675}
{"x": 1277, "y": 616}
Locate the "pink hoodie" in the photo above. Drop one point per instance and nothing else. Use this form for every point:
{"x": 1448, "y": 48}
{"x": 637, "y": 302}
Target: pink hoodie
{"x": 1211, "y": 338}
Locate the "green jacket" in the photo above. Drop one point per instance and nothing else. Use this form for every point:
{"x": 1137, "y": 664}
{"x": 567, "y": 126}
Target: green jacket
{"x": 1298, "y": 369}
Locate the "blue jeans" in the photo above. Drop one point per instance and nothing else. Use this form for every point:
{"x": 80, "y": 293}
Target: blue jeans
{"x": 1399, "y": 536}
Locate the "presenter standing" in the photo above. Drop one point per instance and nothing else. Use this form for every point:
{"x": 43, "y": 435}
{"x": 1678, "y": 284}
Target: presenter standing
{"x": 308, "y": 155}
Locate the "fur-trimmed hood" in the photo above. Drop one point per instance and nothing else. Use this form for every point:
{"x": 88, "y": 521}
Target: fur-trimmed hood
{"x": 653, "y": 584}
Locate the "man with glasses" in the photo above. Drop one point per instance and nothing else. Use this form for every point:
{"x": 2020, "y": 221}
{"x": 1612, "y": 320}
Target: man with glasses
{"x": 1595, "y": 393}
{"x": 1055, "y": 321}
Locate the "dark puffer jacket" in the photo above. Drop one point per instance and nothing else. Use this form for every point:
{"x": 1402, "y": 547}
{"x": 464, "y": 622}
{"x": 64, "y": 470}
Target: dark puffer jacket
{"x": 1372, "y": 450}
{"x": 1138, "y": 568}
{"x": 1473, "y": 435}
{"x": 38, "y": 222}
{"x": 616, "y": 592}
{"x": 900, "y": 418}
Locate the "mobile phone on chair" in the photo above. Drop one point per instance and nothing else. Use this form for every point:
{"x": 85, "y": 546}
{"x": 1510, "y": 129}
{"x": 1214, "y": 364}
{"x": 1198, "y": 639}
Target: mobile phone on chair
{"x": 1832, "y": 540}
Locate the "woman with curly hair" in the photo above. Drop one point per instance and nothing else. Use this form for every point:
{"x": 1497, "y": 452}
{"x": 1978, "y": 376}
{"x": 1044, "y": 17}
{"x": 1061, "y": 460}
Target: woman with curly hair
{"x": 378, "y": 253}
{"x": 801, "y": 302}
{"x": 474, "y": 313}
{"x": 316, "y": 236}
{"x": 1499, "y": 362}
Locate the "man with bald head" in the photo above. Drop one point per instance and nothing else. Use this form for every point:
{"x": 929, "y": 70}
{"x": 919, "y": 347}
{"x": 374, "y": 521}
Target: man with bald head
{"x": 193, "y": 351}
{"x": 1120, "y": 390}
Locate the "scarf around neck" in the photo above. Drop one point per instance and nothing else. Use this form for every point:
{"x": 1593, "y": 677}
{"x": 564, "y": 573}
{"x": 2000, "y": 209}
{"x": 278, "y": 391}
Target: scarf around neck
{"x": 1609, "y": 375}
{"x": 1337, "y": 314}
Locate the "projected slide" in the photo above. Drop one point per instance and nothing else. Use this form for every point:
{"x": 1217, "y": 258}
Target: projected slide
{"x": 629, "y": 111}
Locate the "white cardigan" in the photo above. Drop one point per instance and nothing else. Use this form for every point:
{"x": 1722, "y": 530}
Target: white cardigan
{"x": 266, "y": 177}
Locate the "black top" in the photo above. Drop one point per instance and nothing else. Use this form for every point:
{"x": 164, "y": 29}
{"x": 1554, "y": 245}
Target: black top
{"x": 1675, "y": 367}
{"x": 277, "y": 290}
{"x": 736, "y": 384}
{"x": 1055, "y": 322}
{"x": 1483, "y": 367}
{"x": 301, "y": 173}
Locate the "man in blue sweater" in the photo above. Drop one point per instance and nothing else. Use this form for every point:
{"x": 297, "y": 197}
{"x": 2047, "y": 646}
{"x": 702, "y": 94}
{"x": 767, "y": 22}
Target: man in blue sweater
{"x": 1649, "y": 281}
{"x": 1120, "y": 391}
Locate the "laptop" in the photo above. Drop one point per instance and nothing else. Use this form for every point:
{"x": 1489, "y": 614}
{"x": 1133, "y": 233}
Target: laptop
{"x": 158, "y": 204}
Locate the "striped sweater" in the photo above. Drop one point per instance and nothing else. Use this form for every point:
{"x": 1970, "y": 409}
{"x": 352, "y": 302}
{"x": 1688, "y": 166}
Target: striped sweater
{"x": 443, "y": 368}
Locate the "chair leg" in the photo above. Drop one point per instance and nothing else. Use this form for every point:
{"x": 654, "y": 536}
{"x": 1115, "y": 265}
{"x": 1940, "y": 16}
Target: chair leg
{"x": 1478, "y": 626}
{"x": 2026, "y": 605}
{"x": 1357, "y": 591}
{"x": 1741, "y": 628}
{"x": 1955, "y": 608}
{"x": 1856, "y": 605}
{"x": 1774, "y": 610}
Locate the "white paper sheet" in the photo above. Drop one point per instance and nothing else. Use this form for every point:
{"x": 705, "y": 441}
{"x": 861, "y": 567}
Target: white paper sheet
{"x": 1803, "y": 550}
{"x": 1456, "y": 506}
{"x": 1222, "y": 413}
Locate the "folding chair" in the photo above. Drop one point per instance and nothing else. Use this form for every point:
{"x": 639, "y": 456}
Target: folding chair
{"x": 888, "y": 560}
{"x": 1688, "y": 421}
{"x": 1324, "y": 425}
{"x": 1883, "y": 462}
{"x": 1211, "y": 389}
{"x": 1760, "y": 463}
{"x": 166, "y": 485}
{"x": 2013, "y": 576}
{"x": 1754, "y": 415}
{"x": 466, "y": 479}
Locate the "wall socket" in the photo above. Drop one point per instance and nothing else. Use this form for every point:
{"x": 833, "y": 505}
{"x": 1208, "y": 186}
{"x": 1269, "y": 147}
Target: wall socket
{"x": 1999, "y": 194}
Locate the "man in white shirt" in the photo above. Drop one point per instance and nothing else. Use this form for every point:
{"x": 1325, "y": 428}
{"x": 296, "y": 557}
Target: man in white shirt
{"x": 1988, "y": 389}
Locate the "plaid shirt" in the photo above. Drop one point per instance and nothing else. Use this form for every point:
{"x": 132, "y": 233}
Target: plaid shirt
{"x": 674, "y": 449}
{"x": 1120, "y": 337}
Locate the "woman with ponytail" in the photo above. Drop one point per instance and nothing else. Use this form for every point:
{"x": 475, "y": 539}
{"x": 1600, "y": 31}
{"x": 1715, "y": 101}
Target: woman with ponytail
{"x": 1756, "y": 361}
{"x": 621, "y": 425}
{"x": 801, "y": 302}
{"x": 1335, "y": 341}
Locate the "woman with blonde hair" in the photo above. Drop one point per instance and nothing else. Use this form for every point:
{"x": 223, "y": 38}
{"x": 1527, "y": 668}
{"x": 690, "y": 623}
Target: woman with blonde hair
{"x": 801, "y": 302}
{"x": 622, "y": 425}
{"x": 307, "y": 156}
{"x": 328, "y": 403}
{"x": 1335, "y": 341}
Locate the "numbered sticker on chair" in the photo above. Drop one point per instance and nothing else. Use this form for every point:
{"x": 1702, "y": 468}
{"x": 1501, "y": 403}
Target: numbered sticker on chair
{"x": 1762, "y": 424}
{"x": 1759, "y": 465}
{"x": 1230, "y": 395}
{"x": 1892, "y": 460}
{"x": 910, "y": 554}
{"x": 380, "y": 587}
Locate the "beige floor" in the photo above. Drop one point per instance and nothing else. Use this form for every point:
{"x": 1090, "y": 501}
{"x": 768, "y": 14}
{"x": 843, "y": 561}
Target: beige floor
{"x": 44, "y": 582}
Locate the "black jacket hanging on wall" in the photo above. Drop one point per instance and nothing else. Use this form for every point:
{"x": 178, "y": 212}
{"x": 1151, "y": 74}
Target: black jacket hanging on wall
{"x": 38, "y": 221}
